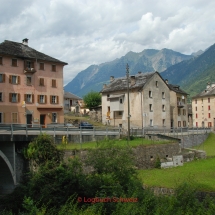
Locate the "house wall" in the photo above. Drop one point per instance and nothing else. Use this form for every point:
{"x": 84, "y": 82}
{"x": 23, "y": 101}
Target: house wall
{"x": 34, "y": 108}
{"x": 175, "y": 115}
{"x": 203, "y": 111}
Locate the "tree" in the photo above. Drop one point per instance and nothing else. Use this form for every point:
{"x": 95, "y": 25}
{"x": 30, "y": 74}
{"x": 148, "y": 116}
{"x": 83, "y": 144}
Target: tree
{"x": 92, "y": 99}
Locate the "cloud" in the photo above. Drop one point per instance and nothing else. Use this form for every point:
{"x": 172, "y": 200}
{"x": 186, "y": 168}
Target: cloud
{"x": 86, "y": 32}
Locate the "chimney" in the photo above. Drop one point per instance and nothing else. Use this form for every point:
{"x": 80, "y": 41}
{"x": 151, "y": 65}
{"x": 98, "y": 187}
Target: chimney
{"x": 111, "y": 78}
{"x": 208, "y": 85}
{"x": 104, "y": 86}
{"x": 133, "y": 80}
{"x": 25, "y": 42}
{"x": 166, "y": 80}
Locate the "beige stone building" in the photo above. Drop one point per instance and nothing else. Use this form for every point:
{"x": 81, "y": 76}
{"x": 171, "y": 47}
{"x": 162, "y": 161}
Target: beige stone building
{"x": 31, "y": 85}
{"x": 203, "y": 107}
{"x": 178, "y": 107}
{"x": 149, "y": 97}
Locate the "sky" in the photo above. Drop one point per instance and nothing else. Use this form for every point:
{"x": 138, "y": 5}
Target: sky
{"x": 87, "y": 32}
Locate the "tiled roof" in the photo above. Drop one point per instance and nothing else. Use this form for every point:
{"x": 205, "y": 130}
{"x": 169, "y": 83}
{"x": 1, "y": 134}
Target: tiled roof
{"x": 176, "y": 89}
{"x": 71, "y": 96}
{"x": 209, "y": 91}
{"x": 24, "y": 51}
{"x": 120, "y": 84}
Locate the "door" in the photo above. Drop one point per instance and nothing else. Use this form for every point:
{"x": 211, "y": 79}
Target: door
{"x": 29, "y": 120}
{"x": 42, "y": 120}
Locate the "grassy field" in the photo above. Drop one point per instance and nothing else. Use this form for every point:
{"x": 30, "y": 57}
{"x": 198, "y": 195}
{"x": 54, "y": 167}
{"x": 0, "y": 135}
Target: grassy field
{"x": 200, "y": 173}
{"x": 208, "y": 145}
{"x": 122, "y": 143}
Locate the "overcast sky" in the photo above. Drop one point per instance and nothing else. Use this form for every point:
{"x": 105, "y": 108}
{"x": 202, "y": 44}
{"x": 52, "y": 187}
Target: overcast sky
{"x": 86, "y": 32}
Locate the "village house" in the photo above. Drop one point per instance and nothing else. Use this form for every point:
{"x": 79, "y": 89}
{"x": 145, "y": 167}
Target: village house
{"x": 71, "y": 103}
{"x": 178, "y": 107}
{"x": 203, "y": 107}
{"x": 31, "y": 85}
{"x": 149, "y": 97}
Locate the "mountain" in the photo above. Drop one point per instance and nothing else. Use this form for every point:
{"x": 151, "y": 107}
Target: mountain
{"x": 148, "y": 60}
{"x": 193, "y": 74}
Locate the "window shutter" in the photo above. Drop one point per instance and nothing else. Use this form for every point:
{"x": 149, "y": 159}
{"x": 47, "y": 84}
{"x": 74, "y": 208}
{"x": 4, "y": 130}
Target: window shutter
{"x": 3, "y": 117}
{"x": 18, "y": 79}
{"x": 25, "y": 97}
{"x": 57, "y": 97}
{"x": 18, "y": 97}
{"x": 32, "y": 64}
{"x": 52, "y": 82}
{"x": 38, "y": 98}
{"x": 32, "y": 98}
{"x": 3, "y": 78}
{"x": 10, "y": 97}
{"x": 50, "y": 99}
{"x": 45, "y": 98}
{"x": 10, "y": 79}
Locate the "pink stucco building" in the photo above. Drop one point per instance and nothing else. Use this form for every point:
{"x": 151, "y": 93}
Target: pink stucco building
{"x": 31, "y": 85}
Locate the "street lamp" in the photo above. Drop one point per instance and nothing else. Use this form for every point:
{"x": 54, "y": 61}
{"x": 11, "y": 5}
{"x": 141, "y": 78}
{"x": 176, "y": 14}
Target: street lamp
{"x": 127, "y": 75}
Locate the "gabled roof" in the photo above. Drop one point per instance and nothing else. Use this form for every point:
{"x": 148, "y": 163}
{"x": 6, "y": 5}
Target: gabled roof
{"x": 71, "y": 96}
{"x": 176, "y": 89}
{"x": 24, "y": 51}
{"x": 209, "y": 91}
{"x": 120, "y": 84}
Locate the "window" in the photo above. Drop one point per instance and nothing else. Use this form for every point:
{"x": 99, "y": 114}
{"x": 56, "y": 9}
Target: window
{"x": 28, "y": 80}
{"x": 196, "y": 124}
{"x": 54, "y": 68}
{"x": 54, "y": 117}
{"x": 1, "y": 97}
{"x": 54, "y": 83}
{"x": 54, "y": 99}
{"x": 156, "y": 83}
{"x": 1, "y": 61}
{"x": 2, "y": 78}
{"x": 13, "y": 79}
{"x": 208, "y": 100}
{"x": 150, "y": 94}
{"x": 14, "y": 97}
{"x": 209, "y": 115}
{"x": 14, "y": 117}
{"x": 163, "y": 108}
{"x": 29, "y": 98}
{"x": 28, "y": 64}
{"x": 184, "y": 123}
{"x": 41, "y": 66}
{"x": 196, "y": 108}
{"x": 196, "y": 101}
{"x": 41, "y": 99}
{"x": 151, "y": 122}
{"x": 163, "y": 122}
{"x": 120, "y": 100}
{"x": 41, "y": 82}
{"x": 14, "y": 62}
{"x": 163, "y": 95}
{"x": 150, "y": 107}
{"x": 1, "y": 117}
{"x": 120, "y": 113}
{"x": 209, "y": 107}
{"x": 184, "y": 112}
{"x": 179, "y": 124}
{"x": 179, "y": 112}
{"x": 196, "y": 115}
{"x": 209, "y": 124}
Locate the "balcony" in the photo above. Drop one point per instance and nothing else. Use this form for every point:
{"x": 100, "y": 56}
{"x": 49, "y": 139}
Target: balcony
{"x": 180, "y": 104}
{"x": 29, "y": 70}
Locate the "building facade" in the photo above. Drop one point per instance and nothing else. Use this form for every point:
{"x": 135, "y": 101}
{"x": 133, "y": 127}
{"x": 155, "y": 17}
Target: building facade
{"x": 203, "y": 107}
{"x": 178, "y": 107}
{"x": 31, "y": 85}
{"x": 71, "y": 103}
{"x": 149, "y": 101}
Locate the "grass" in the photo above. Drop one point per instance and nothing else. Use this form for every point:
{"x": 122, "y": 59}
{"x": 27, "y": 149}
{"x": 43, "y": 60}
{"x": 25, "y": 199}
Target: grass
{"x": 208, "y": 145}
{"x": 91, "y": 145}
{"x": 200, "y": 173}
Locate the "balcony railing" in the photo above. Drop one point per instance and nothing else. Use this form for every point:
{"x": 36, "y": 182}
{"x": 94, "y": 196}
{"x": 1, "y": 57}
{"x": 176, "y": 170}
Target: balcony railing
{"x": 29, "y": 70}
{"x": 180, "y": 104}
